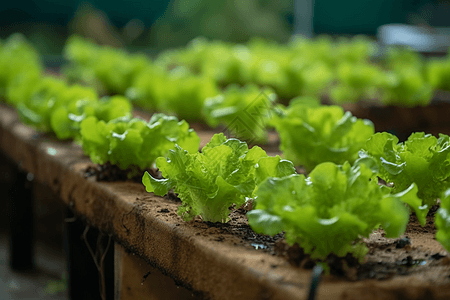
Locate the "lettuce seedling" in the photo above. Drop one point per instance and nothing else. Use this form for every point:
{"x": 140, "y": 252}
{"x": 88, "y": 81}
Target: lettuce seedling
{"x": 109, "y": 69}
{"x": 224, "y": 173}
{"x": 442, "y": 221}
{"x": 51, "y": 105}
{"x": 37, "y": 109}
{"x": 245, "y": 111}
{"x": 66, "y": 119}
{"x": 177, "y": 92}
{"x": 149, "y": 89}
{"x": 438, "y": 73}
{"x": 184, "y": 94}
{"x": 423, "y": 159}
{"x": 406, "y": 86}
{"x": 360, "y": 81}
{"x": 311, "y": 133}
{"x": 331, "y": 210}
{"x": 17, "y": 57}
{"x": 134, "y": 143}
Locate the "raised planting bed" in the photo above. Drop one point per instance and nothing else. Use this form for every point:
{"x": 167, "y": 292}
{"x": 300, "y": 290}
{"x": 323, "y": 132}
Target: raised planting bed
{"x": 402, "y": 121}
{"x": 222, "y": 261}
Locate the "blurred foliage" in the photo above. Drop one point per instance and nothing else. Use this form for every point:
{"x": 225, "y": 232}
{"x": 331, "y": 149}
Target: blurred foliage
{"x": 160, "y": 24}
{"x": 230, "y": 20}
{"x": 95, "y": 24}
{"x": 164, "y": 24}
{"x": 183, "y": 20}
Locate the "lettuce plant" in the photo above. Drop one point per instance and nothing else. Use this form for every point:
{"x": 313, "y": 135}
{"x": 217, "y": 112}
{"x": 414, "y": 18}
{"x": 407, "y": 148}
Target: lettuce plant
{"x": 149, "y": 88}
{"x": 423, "y": 159}
{"x": 134, "y": 143}
{"x": 438, "y": 73}
{"x": 51, "y": 105}
{"x": 356, "y": 81}
{"x": 22, "y": 87}
{"x": 37, "y": 109}
{"x": 303, "y": 77}
{"x": 224, "y": 62}
{"x": 406, "y": 86}
{"x": 184, "y": 94}
{"x": 442, "y": 221}
{"x": 47, "y": 103}
{"x": 311, "y": 134}
{"x": 66, "y": 119}
{"x": 400, "y": 57}
{"x": 245, "y": 111}
{"x": 177, "y": 92}
{"x": 17, "y": 57}
{"x": 107, "y": 68}
{"x": 331, "y": 210}
{"x": 224, "y": 173}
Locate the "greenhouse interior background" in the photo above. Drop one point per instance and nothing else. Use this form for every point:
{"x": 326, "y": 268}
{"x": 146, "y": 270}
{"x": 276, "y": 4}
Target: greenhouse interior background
{"x": 156, "y": 25}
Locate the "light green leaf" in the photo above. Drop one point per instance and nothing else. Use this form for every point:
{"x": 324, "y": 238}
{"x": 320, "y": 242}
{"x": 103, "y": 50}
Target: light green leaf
{"x": 263, "y": 222}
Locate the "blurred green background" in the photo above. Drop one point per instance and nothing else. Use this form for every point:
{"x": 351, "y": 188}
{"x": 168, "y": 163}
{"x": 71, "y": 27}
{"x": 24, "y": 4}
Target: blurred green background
{"x": 160, "y": 24}
{"x": 156, "y": 24}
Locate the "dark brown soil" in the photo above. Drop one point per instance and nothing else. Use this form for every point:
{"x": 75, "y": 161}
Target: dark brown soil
{"x": 374, "y": 267}
{"x": 172, "y": 196}
{"x": 109, "y": 172}
{"x": 386, "y": 257}
{"x": 238, "y": 226}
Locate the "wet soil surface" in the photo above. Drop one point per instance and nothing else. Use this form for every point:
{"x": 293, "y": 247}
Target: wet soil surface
{"x": 242, "y": 234}
{"x": 110, "y": 172}
{"x": 239, "y": 227}
{"x": 386, "y": 257}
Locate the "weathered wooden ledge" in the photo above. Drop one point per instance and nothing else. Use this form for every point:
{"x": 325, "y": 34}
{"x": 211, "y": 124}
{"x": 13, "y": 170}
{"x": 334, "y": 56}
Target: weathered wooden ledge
{"x": 186, "y": 253}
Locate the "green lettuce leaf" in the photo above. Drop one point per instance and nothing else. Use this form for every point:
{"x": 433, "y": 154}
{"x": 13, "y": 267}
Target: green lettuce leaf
{"x": 311, "y": 134}
{"x": 19, "y": 61}
{"x": 224, "y": 173}
{"x": 442, "y": 221}
{"x": 51, "y": 105}
{"x": 244, "y": 111}
{"x": 133, "y": 142}
{"x": 111, "y": 70}
{"x": 423, "y": 159}
{"x": 66, "y": 119}
{"x": 331, "y": 210}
